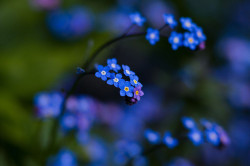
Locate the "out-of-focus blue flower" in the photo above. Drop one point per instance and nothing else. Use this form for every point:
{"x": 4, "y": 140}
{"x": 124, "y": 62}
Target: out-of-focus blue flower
{"x": 103, "y": 72}
{"x": 129, "y": 148}
{"x": 140, "y": 161}
{"x": 206, "y": 124}
{"x": 112, "y": 63}
{"x": 153, "y": 36}
{"x": 97, "y": 151}
{"x": 127, "y": 71}
{"x": 187, "y": 23}
{"x": 137, "y": 19}
{"x": 175, "y": 40}
{"x": 134, "y": 80}
{"x": 190, "y": 41}
{"x": 224, "y": 138}
{"x": 152, "y": 136}
{"x": 169, "y": 20}
{"x": 199, "y": 34}
{"x": 212, "y": 137}
{"x": 71, "y": 24}
{"x": 68, "y": 122}
{"x": 115, "y": 80}
{"x": 138, "y": 93}
{"x": 63, "y": 158}
{"x": 196, "y": 137}
{"x": 188, "y": 123}
{"x": 79, "y": 70}
{"x": 48, "y": 104}
{"x": 126, "y": 89}
{"x": 83, "y": 137}
{"x": 169, "y": 141}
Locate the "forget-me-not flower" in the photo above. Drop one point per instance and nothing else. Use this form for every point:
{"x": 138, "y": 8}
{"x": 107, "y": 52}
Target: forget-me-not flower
{"x": 103, "y": 72}
{"x": 126, "y": 89}
{"x": 169, "y": 20}
{"x": 137, "y": 19}
{"x": 169, "y": 141}
{"x": 188, "y": 123}
{"x": 186, "y": 23}
{"x": 112, "y": 63}
{"x": 153, "y": 36}
{"x": 138, "y": 93}
{"x": 196, "y": 137}
{"x": 190, "y": 41}
{"x": 212, "y": 137}
{"x": 199, "y": 34}
{"x": 175, "y": 40}
{"x": 134, "y": 80}
{"x": 152, "y": 136}
{"x": 127, "y": 71}
{"x": 115, "y": 80}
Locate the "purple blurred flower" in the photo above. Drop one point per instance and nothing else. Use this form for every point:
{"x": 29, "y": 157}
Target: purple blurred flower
{"x": 138, "y": 93}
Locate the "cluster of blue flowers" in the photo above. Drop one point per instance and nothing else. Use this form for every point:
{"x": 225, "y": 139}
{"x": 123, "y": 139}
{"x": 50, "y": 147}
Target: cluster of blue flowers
{"x": 48, "y": 105}
{"x": 155, "y": 138}
{"x": 211, "y": 132}
{"x": 194, "y": 37}
{"x": 131, "y": 89}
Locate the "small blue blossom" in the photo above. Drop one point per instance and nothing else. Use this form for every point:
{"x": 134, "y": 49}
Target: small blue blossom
{"x": 206, "y": 124}
{"x": 175, "y": 40}
{"x": 103, "y": 72}
{"x": 63, "y": 158}
{"x": 187, "y": 23}
{"x": 152, "y": 136}
{"x": 134, "y": 81}
{"x": 212, "y": 137}
{"x": 127, "y": 71}
{"x": 115, "y": 80}
{"x": 196, "y": 137}
{"x": 169, "y": 141}
{"x": 68, "y": 122}
{"x": 79, "y": 70}
{"x": 153, "y": 36}
{"x": 126, "y": 89}
{"x": 112, "y": 63}
{"x": 169, "y": 20}
{"x": 199, "y": 34}
{"x": 188, "y": 123}
{"x": 190, "y": 41}
{"x": 137, "y": 19}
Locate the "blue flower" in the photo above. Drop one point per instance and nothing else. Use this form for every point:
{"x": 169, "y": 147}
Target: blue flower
{"x": 126, "y": 89}
{"x": 199, "y": 34}
{"x": 175, "y": 40}
{"x": 206, "y": 124}
{"x": 188, "y": 123}
{"x": 169, "y": 141}
{"x": 190, "y": 41}
{"x": 137, "y": 19}
{"x": 152, "y": 136}
{"x": 196, "y": 137}
{"x": 115, "y": 80}
{"x": 103, "y": 72}
{"x": 127, "y": 71}
{"x": 134, "y": 81}
{"x": 212, "y": 137}
{"x": 79, "y": 70}
{"x": 169, "y": 20}
{"x": 68, "y": 122}
{"x": 63, "y": 158}
{"x": 152, "y": 36}
{"x": 112, "y": 63}
{"x": 187, "y": 23}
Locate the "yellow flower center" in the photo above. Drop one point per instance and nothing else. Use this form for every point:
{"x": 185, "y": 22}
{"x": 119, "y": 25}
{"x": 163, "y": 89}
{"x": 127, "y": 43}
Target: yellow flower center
{"x": 127, "y": 71}
{"x": 199, "y": 34}
{"x": 152, "y": 35}
{"x": 190, "y": 40}
{"x": 135, "y": 81}
{"x": 116, "y": 79}
{"x": 103, "y": 72}
{"x": 126, "y": 89}
{"x": 137, "y": 92}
